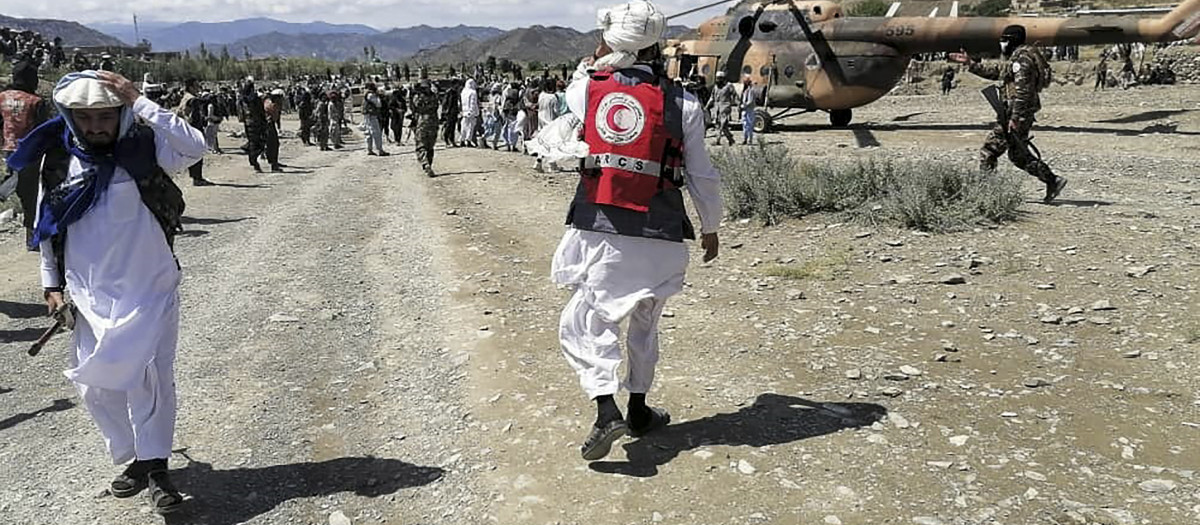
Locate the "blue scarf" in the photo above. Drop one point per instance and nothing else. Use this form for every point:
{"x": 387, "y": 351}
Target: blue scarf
{"x": 135, "y": 152}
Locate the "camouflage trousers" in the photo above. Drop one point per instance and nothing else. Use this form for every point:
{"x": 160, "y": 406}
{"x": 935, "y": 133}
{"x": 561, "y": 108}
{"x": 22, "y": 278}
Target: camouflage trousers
{"x": 1000, "y": 141}
{"x": 427, "y": 135}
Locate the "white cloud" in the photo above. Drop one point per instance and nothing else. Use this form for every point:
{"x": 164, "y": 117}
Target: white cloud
{"x": 383, "y": 14}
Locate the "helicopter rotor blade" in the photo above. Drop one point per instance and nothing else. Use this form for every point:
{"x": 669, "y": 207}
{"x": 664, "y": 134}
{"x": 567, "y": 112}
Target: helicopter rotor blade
{"x": 698, "y": 9}
{"x": 820, "y": 45}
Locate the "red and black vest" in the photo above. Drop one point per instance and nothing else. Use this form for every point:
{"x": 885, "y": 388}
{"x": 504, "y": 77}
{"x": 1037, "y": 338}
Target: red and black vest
{"x": 19, "y": 110}
{"x": 631, "y": 181}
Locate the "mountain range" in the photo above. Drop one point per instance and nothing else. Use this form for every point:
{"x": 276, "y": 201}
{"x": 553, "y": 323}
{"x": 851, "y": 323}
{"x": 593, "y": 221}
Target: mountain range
{"x": 549, "y": 45}
{"x": 189, "y": 35}
{"x": 72, "y": 33}
{"x": 263, "y": 37}
{"x": 393, "y": 45}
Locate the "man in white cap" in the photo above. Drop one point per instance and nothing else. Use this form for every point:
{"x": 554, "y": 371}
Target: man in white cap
{"x": 624, "y": 253}
{"x": 106, "y": 237}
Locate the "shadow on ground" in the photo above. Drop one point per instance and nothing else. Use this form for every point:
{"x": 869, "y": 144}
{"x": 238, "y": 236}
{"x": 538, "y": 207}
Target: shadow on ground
{"x": 773, "y": 419}
{"x": 230, "y": 497}
{"x": 59, "y": 405}
{"x": 22, "y": 310}
{"x": 212, "y": 222}
{"x": 1144, "y": 116}
{"x": 26, "y": 335}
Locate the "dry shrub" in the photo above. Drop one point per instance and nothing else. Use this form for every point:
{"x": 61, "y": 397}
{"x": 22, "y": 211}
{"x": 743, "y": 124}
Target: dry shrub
{"x": 766, "y": 182}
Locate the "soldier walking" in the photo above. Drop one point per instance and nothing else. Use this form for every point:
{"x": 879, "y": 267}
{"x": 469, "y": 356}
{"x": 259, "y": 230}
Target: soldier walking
{"x": 255, "y": 121}
{"x": 337, "y": 117}
{"x": 398, "y": 106}
{"x": 304, "y": 106}
{"x": 194, "y": 110}
{"x": 425, "y": 108}
{"x": 1023, "y": 73}
{"x": 273, "y": 107}
{"x": 321, "y": 121}
{"x": 724, "y": 99}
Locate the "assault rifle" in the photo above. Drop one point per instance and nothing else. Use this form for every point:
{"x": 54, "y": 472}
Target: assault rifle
{"x": 64, "y": 317}
{"x": 992, "y": 95}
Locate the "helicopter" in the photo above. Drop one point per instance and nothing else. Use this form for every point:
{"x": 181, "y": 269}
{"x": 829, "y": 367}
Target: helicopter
{"x": 808, "y": 56}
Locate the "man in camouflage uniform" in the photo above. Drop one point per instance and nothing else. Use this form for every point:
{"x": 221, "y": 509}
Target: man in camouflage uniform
{"x": 321, "y": 120}
{"x": 1023, "y": 73}
{"x": 425, "y": 107}
{"x": 304, "y": 106}
{"x": 255, "y": 121}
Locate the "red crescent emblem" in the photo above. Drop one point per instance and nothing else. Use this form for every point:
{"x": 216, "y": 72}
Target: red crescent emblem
{"x": 612, "y": 118}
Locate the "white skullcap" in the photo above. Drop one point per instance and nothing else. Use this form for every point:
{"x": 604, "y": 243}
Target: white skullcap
{"x": 87, "y": 93}
{"x": 278, "y": 93}
{"x": 633, "y": 26}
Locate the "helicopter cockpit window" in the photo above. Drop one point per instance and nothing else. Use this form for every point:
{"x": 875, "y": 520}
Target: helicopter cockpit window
{"x": 765, "y": 71}
{"x": 747, "y": 69}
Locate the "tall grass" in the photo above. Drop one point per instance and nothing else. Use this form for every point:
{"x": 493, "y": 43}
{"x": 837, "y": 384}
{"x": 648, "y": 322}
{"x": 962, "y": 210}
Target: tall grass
{"x": 768, "y": 183}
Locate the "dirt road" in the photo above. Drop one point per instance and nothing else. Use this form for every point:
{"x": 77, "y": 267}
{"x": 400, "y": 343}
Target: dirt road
{"x": 359, "y": 339}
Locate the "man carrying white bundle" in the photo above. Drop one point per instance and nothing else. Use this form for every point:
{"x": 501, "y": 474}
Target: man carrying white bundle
{"x": 624, "y": 253}
{"x": 105, "y": 236}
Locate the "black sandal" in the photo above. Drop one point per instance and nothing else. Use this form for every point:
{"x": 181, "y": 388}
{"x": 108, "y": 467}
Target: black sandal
{"x": 600, "y": 441}
{"x": 131, "y": 482}
{"x": 659, "y": 418}
{"x": 163, "y": 496}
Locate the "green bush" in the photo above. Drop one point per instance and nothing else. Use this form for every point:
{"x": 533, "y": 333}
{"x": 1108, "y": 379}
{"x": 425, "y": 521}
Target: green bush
{"x": 766, "y": 182}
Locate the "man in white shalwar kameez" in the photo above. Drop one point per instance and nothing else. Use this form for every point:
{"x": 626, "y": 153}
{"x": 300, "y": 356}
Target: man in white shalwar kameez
{"x": 621, "y": 262}
{"x": 469, "y": 99}
{"x": 111, "y": 253}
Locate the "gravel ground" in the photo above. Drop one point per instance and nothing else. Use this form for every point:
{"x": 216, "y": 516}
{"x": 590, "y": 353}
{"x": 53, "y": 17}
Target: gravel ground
{"x": 361, "y": 340}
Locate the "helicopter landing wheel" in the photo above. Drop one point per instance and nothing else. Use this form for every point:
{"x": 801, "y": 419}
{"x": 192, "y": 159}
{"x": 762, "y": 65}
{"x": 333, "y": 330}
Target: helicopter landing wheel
{"x": 763, "y": 121}
{"x": 841, "y": 118}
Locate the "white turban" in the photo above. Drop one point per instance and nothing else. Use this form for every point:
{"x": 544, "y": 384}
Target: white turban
{"x": 86, "y": 93}
{"x": 629, "y": 28}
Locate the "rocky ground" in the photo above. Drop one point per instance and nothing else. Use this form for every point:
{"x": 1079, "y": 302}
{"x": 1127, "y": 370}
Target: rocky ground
{"x": 365, "y": 345}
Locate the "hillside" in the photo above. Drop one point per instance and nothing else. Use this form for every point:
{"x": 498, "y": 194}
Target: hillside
{"x": 551, "y": 45}
{"x": 392, "y": 45}
{"x": 177, "y": 37}
{"x": 72, "y": 33}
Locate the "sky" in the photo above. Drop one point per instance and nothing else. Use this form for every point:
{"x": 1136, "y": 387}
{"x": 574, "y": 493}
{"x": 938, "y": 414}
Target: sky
{"x": 382, "y": 14}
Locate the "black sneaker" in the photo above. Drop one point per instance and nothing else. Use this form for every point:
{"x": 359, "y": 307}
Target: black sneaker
{"x": 1054, "y": 189}
{"x": 164, "y": 498}
{"x": 600, "y": 441}
{"x": 201, "y": 182}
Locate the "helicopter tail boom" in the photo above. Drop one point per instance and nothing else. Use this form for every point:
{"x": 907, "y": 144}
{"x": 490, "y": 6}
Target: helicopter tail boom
{"x": 923, "y": 35}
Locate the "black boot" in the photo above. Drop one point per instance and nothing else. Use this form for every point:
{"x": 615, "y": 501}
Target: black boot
{"x": 1054, "y": 189}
